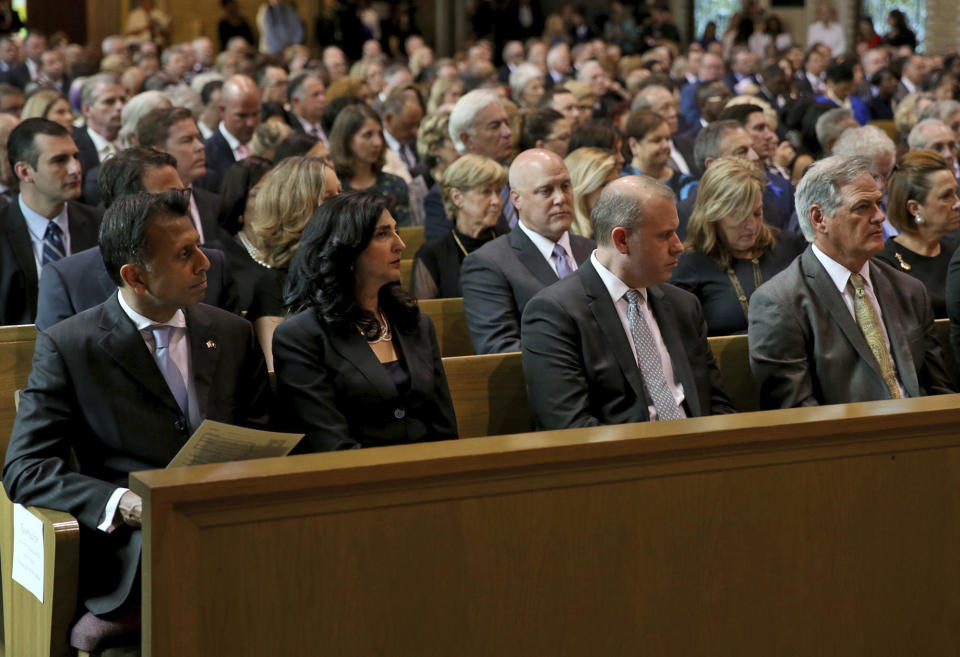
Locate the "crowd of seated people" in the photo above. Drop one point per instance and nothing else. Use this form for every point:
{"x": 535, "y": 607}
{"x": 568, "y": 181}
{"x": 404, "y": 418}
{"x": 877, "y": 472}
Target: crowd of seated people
{"x": 602, "y": 205}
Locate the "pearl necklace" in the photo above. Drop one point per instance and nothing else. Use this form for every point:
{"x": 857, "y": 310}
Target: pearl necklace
{"x": 253, "y": 251}
{"x": 385, "y": 335}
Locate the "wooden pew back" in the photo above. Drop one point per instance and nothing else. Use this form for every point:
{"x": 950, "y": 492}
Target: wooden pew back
{"x": 16, "y": 357}
{"x": 413, "y": 238}
{"x": 451, "y": 324}
{"x": 489, "y": 394}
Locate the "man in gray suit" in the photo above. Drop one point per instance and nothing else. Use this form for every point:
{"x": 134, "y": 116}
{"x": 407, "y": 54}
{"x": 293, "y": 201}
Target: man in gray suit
{"x": 613, "y": 343}
{"x": 501, "y": 276}
{"x": 836, "y": 326}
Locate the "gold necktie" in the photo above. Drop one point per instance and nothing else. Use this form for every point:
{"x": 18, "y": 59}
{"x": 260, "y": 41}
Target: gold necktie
{"x": 867, "y": 320}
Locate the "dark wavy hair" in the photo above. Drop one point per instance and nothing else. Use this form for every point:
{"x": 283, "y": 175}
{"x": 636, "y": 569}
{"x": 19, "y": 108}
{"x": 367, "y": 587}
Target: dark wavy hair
{"x": 322, "y": 274}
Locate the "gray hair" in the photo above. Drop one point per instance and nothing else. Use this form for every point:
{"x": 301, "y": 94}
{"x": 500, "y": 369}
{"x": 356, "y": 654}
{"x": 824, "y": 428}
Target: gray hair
{"x": 828, "y": 124}
{"x": 583, "y": 74}
{"x": 521, "y": 76}
{"x": 868, "y": 141}
{"x": 137, "y": 108}
{"x": 465, "y": 113}
{"x": 183, "y": 96}
{"x": 707, "y": 143}
{"x": 941, "y": 109}
{"x": 821, "y": 186}
{"x": 616, "y": 209}
{"x": 642, "y": 100}
{"x": 554, "y": 52}
{"x": 88, "y": 93}
{"x": 917, "y": 139}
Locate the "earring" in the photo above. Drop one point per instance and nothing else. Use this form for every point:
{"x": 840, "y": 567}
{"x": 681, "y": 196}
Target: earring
{"x": 918, "y": 219}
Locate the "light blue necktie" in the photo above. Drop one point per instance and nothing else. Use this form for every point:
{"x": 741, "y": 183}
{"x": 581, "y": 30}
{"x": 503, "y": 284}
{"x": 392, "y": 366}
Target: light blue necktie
{"x": 563, "y": 266}
{"x": 650, "y": 365}
{"x": 168, "y": 367}
{"x": 53, "y": 248}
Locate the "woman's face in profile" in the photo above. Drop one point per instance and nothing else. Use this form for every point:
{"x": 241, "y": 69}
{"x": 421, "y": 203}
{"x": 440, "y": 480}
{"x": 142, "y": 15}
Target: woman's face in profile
{"x": 379, "y": 263}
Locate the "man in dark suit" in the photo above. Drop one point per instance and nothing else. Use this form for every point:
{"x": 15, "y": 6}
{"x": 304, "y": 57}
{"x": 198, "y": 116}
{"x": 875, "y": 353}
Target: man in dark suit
{"x": 499, "y": 278}
{"x": 81, "y": 281}
{"x": 308, "y": 100}
{"x": 42, "y": 223}
{"x": 512, "y": 58}
{"x": 103, "y": 98}
{"x": 835, "y": 326}
{"x": 27, "y": 71}
{"x": 711, "y": 68}
{"x": 240, "y": 109}
{"x": 120, "y": 388}
{"x": 613, "y": 343}
{"x": 659, "y": 98}
{"x": 175, "y": 131}
{"x": 402, "y": 113}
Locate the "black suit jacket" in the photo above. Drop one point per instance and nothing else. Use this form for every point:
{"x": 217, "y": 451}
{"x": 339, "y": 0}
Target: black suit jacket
{"x": 498, "y": 280}
{"x": 96, "y": 394}
{"x": 19, "y": 76}
{"x": 81, "y": 281}
{"x": 578, "y": 364}
{"x": 219, "y": 157}
{"x": 18, "y": 269}
{"x": 89, "y": 160}
{"x": 208, "y": 205}
{"x": 338, "y": 393}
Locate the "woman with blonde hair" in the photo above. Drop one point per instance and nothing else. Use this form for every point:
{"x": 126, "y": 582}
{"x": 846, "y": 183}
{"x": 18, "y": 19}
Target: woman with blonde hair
{"x": 471, "y": 189}
{"x": 267, "y": 137}
{"x": 730, "y": 251}
{"x": 591, "y": 169}
{"x": 445, "y": 91}
{"x": 48, "y": 104}
{"x": 283, "y": 203}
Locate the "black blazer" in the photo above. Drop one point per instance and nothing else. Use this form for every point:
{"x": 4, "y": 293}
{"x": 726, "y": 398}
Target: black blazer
{"x": 219, "y": 157}
{"x": 578, "y": 364}
{"x": 208, "y": 205}
{"x": 19, "y": 76}
{"x": 96, "y": 392}
{"x": 498, "y": 280}
{"x": 89, "y": 160}
{"x": 18, "y": 268}
{"x": 334, "y": 388}
{"x": 81, "y": 281}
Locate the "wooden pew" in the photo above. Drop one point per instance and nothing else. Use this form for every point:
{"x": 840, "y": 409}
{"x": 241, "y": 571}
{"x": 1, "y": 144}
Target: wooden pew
{"x": 30, "y": 627}
{"x": 406, "y": 272}
{"x": 413, "y": 238}
{"x": 451, "y": 324}
{"x": 489, "y": 394}
{"x": 796, "y": 532}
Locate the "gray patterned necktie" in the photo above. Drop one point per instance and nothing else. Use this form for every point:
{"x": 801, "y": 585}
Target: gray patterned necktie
{"x": 650, "y": 365}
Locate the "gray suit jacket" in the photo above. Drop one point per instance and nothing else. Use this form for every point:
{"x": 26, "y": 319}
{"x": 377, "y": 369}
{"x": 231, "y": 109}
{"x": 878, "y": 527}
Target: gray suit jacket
{"x": 498, "y": 280}
{"x": 806, "y": 348}
{"x": 578, "y": 364}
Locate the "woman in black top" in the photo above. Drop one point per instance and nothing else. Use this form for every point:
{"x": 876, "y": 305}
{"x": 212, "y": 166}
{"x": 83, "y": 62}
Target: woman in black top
{"x": 730, "y": 251}
{"x": 922, "y": 204}
{"x": 358, "y": 365}
{"x": 471, "y": 188}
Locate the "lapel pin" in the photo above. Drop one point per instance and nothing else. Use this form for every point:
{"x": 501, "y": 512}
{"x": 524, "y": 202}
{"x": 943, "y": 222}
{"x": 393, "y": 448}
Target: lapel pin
{"x": 210, "y": 344}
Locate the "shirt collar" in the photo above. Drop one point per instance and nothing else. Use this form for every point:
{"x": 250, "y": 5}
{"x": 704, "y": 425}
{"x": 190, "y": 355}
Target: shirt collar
{"x": 100, "y": 142}
{"x": 839, "y": 274}
{"x": 37, "y": 223}
{"x": 232, "y": 141}
{"x": 545, "y": 245}
{"x": 615, "y": 287}
{"x": 392, "y": 142}
{"x": 142, "y": 323}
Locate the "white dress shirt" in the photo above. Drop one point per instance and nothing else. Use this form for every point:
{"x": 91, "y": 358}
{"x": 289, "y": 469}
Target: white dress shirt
{"x": 105, "y": 148}
{"x": 840, "y": 276}
{"x": 179, "y": 350}
{"x": 37, "y": 227}
{"x": 545, "y": 247}
{"x": 617, "y": 289}
{"x": 314, "y": 130}
{"x": 240, "y": 151}
{"x": 195, "y": 217}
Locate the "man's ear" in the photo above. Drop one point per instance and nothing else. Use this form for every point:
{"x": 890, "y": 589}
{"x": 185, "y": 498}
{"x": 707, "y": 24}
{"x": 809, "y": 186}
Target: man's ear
{"x": 619, "y": 237}
{"x": 465, "y": 138}
{"x": 132, "y": 276}
{"x": 24, "y": 171}
{"x": 817, "y": 219}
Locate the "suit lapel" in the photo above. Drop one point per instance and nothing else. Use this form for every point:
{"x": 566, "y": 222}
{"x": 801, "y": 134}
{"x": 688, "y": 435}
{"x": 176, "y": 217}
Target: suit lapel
{"x": 827, "y": 293}
{"x": 84, "y": 231}
{"x": 203, "y": 355}
{"x": 354, "y": 349}
{"x": 608, "y": 321}
{"x": 670, "y": 332}
{"x": 19, "y": 238}
{"x": 896, "y": 331}
{"x": 418, "y": 363}
{"x": 124, "y": 343}
{"x": 531, "y": 258}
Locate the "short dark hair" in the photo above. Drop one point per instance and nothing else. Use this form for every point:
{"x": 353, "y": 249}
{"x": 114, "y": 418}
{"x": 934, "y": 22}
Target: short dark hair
{"x": 536, "y": 125}
{"x": 123, "y": 231}
{"x": 840, "y": 71}
{"x": 296, "y": 143}
{"x": 399, "y": 97}
{"x": 208, "y": 90}
{"x": 334, "y": 107}
{"x": 598, "y": 133}
{"x": 122, "y": 174}
{"x": 153, "y": 128}
{"x": 739, "y": 113}
{"x": 321, "y": 273}
{"x": 21, "y": 145}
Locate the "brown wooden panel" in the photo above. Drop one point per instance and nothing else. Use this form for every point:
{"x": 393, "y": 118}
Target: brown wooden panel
{"x": 54, "y": 15}
{"x": 451, "y": 324}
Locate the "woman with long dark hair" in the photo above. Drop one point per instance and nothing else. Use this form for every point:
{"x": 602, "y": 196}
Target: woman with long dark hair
{"x": 358, "y": 365}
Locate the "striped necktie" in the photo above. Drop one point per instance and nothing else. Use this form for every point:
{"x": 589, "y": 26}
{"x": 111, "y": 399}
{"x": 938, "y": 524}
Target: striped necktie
{"x": 53, "y": 248}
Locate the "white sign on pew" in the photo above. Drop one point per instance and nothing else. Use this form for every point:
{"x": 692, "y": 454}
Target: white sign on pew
{"x": 28, "y": 551}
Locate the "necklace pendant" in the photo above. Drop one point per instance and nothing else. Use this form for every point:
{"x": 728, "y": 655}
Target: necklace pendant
{"x": 905, "y": 266}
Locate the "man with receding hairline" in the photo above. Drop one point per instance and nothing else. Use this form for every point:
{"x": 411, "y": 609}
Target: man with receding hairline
{"x": 613, "y": 342}
{"x": 240, "y": 109}
{"x": 501, "y": 276}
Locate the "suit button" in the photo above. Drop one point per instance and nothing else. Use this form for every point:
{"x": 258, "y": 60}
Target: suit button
{"x": 179, "y": 425}
{"x": 400, "y": 413}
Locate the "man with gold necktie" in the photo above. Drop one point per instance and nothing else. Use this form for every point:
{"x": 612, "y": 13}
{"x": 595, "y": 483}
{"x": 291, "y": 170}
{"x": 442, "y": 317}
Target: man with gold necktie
{"x": 837, "y": 326}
